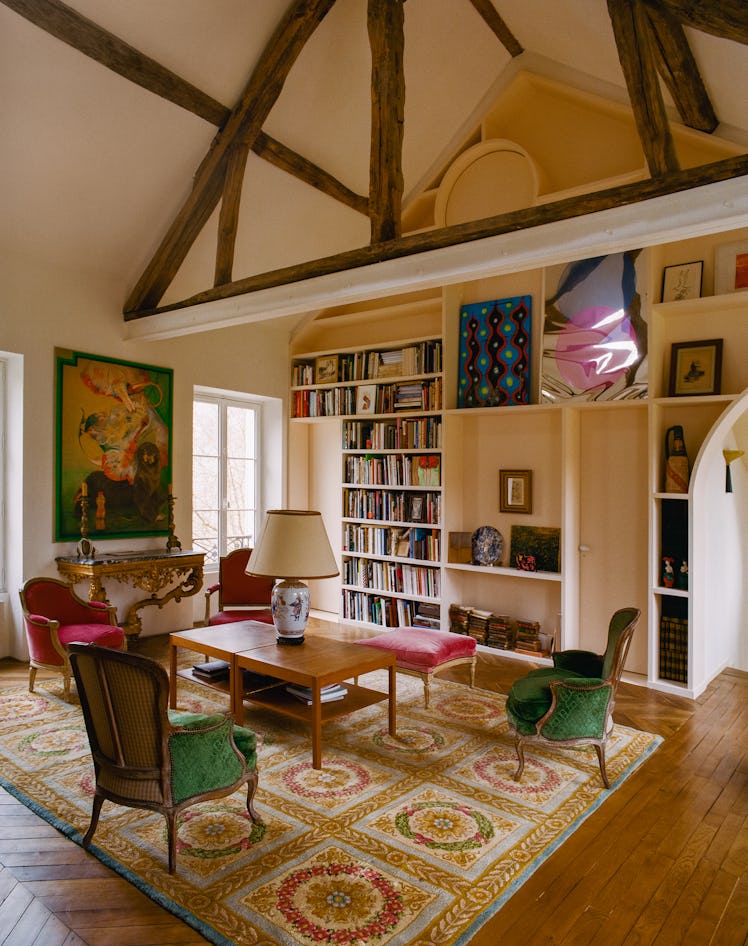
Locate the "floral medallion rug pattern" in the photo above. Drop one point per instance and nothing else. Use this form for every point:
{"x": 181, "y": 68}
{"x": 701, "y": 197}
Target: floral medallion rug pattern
{"x": 395, "y": 841}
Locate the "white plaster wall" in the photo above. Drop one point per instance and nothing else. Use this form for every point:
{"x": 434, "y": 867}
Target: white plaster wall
{"x": 43, "y": 306}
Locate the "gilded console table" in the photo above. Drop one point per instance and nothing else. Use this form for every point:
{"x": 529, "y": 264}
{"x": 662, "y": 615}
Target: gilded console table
{"x": 149, "y": 571}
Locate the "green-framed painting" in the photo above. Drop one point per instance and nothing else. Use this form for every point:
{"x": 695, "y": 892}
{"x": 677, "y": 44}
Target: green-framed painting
{"x": 113, "y": 446}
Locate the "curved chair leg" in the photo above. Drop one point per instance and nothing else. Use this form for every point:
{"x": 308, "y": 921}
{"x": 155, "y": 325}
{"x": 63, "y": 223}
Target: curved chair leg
{"x": 171, "y": 833}
{"x": 66, "y": 678}
{"x": 251, "y": 789}
{"x": 600, "y": 749}
{"x": 521, "y": 758}
{"x": 32, "y": 678}
{"x": 97, "y": 803}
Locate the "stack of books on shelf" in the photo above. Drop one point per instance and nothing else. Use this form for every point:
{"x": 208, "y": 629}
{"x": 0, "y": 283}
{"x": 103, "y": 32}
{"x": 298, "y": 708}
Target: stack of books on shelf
{"x": 212, "y": 670}
{"x": 500, "y": 632}
{"x": 477, "y": 624}
{"x": 427, "y": 615}
{"x": 328, "y": 694}
{"x": 459, "y": 619}
{"x": 674, "y": 649}
{"x": 528, "y": 638}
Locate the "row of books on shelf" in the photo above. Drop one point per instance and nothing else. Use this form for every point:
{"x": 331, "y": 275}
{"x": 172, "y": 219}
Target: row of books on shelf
{"x": 421, "y": 470}
{"x": 328, "y": 694}
{"x": 411, "y": 542}
{"x": 419, "y": 358}
{"x": 400, "y": 433}
{"x": 386, "y": 612}
{"x": 392, "y": 576}
{"x": 673, "y": 649}
{"x": 392, "y": 505}
{"x": 369, "y": 399}
{"x": 500, "y": 630}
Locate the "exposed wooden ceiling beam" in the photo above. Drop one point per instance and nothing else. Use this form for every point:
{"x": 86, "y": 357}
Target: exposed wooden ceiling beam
{"x": 287, "y": 160}
{"x": 727, "y": 19}
{"x": 243, "y": 127}
{"x": 386, "y": 25}
{"x": 495, "y": 22}
{"x": 228, "y": 219}
{"x": 82, "y": 34}
{"x": 632, "y": 32}
{"x": 679, "y": 70}
{"x": 426, "y": 241}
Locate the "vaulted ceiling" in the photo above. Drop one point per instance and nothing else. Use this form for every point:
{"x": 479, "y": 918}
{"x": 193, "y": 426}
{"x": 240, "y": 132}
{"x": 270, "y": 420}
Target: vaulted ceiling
{"x": 198, "y": 149}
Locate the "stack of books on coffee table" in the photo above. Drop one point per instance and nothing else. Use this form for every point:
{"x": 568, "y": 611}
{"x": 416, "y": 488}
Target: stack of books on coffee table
{"x": 333, "y": 691}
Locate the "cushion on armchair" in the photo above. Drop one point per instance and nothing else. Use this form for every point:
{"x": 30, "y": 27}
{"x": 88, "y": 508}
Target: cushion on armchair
{"x": 202, "y": 756}
{"x": 579, "y": 712}
{"x": 530, "y": 696}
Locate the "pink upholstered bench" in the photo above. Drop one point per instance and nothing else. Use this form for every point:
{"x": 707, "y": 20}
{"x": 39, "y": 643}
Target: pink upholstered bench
{"x": 423, "y": 652}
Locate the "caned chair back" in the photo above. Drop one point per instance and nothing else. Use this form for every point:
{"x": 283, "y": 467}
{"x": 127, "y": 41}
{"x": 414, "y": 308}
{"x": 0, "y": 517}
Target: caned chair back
{"x": 124, "y": 698}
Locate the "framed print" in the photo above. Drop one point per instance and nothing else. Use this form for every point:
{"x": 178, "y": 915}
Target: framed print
{"x": 515, "y": 490}
{"x": 594, "y": 331}
{"x": 731, "y": 267}
{"x": 696, "y": 368}
{"x": 113, "y": 428}
{"x": 494, "y": 366}
{"x": 326, "y": 369}
{"x": 366, "y": 399}
{"x": 682, "y": 281}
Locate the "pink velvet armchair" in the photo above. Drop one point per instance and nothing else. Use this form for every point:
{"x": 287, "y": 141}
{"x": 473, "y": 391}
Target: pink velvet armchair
{"x": 55, "y": 617}
{"x": 241, "y": 597}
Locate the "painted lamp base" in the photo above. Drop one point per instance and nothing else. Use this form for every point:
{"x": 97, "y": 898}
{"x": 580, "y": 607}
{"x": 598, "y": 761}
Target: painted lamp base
{"x": 290, "y": 604}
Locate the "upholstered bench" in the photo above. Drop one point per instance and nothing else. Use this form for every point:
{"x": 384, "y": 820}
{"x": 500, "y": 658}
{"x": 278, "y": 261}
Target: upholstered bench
{"x": 423, "y": 652}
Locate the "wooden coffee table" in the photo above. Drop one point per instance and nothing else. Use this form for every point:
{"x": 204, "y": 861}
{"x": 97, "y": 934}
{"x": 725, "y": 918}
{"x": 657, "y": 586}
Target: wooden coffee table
{"x": 221, "y": 642}
{"x": 315, "y": 664}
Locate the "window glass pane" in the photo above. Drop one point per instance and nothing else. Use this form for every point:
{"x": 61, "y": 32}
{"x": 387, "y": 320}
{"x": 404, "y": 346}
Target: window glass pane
{"x": 240, "y": 528}
{"x": 205, "y": 483}
{"x": 240, "y": 432}
{"x": 240, "y": 484}
{"x": 205, "y": 428}
{"x": 205, "y": 534}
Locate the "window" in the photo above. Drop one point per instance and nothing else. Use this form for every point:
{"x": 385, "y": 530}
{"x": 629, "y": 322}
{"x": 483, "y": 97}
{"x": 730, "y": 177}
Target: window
{"x": 225, "y": 469}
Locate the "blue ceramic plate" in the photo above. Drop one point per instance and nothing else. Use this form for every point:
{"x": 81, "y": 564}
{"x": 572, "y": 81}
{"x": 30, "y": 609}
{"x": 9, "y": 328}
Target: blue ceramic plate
{"x": 488, "y": 546}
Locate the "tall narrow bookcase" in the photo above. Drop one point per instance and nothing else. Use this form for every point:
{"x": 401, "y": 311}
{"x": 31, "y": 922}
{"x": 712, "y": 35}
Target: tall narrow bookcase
{"x": 389, "y": 401}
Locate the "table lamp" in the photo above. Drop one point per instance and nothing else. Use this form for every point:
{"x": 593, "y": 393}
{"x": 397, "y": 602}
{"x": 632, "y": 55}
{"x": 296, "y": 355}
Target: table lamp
{"x": 293, "y": 545}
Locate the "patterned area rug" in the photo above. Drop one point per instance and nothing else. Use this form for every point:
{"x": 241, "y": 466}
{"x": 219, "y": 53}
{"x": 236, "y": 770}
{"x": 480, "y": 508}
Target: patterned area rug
{"x": 418, "y": 839}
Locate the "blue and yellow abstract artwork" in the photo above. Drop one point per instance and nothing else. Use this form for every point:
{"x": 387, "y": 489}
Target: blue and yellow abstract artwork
{"x": 494, "y": 368}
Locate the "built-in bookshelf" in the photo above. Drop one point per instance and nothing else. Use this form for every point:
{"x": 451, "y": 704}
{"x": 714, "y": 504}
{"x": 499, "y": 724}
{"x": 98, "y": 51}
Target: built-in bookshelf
{"x": 368, "y": 381}
{"x": 416, "y": 480}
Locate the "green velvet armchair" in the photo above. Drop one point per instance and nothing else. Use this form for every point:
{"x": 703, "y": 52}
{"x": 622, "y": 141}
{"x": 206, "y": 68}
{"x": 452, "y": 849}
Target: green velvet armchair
{"x": 147, "y": 756}
{"x": 571, "y": 703}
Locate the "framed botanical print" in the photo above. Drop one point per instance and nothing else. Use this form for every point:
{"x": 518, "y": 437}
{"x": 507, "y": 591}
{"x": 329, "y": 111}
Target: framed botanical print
{"x": 112, "y": 447}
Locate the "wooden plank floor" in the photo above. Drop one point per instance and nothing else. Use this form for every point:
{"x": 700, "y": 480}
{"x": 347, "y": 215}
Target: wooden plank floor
{"x": 664, "y": 861}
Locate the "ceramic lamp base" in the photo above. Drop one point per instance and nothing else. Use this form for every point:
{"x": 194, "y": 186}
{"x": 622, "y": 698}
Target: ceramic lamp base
{"x": 290, "y": 603}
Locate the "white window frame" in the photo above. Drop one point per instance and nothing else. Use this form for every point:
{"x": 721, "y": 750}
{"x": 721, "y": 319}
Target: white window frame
{"x": 224, "y": 400}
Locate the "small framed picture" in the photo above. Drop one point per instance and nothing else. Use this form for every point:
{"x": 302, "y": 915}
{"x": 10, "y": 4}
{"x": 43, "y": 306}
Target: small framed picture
{"x": 325, "y": 369}
{"x": 682, "y": 281}
{"x": 515, "y": 490}
{"x": 366, "y": 399}
{"x": 731, "y": 267}
{"x": 696, "y": 368}
{"x": 417, "y": 512}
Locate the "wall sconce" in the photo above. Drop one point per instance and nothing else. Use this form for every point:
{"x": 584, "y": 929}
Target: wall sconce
{"x": 729, "y": 456}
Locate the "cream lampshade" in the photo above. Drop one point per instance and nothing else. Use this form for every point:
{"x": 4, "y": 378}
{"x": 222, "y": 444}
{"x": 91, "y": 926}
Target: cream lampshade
{"x": 293, "y": 544}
